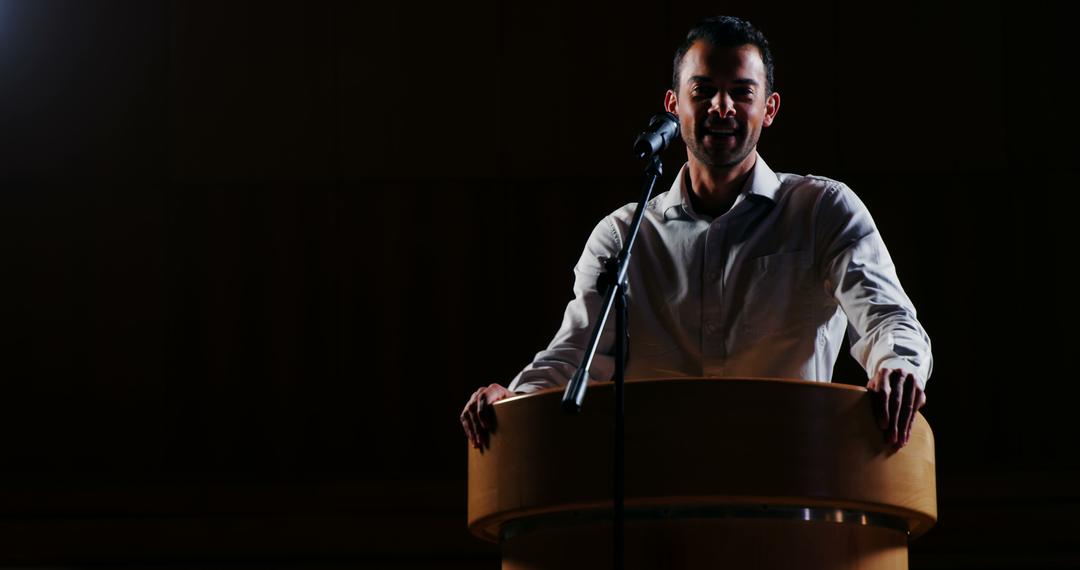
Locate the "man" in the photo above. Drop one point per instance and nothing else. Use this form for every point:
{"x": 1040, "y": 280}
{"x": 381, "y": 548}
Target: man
{"x": 740, "y": 271}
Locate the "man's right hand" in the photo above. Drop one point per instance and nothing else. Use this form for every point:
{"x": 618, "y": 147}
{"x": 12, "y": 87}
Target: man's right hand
{"x": 478, "y": 418}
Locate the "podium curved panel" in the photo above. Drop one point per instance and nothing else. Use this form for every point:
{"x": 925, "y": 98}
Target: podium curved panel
{"x": 701, "y": 454}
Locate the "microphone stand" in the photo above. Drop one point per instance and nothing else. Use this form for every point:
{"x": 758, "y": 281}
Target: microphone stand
{"x": 612, "y": 284}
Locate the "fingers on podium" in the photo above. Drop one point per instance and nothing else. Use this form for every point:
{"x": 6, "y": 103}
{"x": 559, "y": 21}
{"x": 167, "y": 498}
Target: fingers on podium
{"x": 468, "y": 420}
{"x": 478, "y": 417}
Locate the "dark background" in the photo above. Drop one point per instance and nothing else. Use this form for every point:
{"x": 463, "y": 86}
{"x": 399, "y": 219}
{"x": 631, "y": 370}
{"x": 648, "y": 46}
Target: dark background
{"x": 256, "y": 255}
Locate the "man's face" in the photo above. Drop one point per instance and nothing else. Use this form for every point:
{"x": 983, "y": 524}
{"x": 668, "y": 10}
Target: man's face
{"x": 722, "y": 103}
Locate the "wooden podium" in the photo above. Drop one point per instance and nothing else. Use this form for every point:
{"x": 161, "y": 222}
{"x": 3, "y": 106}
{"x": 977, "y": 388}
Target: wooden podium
{"x": 720, "y": 473}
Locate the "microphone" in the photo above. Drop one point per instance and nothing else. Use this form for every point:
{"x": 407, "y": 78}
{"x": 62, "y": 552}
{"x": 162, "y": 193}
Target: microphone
{"x": 662, "y": 129}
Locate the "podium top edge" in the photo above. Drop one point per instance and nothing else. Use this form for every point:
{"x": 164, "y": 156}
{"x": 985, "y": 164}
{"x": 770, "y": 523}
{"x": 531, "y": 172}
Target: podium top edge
{"x": 703, "y": 379}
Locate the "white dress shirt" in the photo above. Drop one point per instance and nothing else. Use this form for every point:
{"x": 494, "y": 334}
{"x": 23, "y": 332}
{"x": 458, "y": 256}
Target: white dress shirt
{"x": 765, "y": 290}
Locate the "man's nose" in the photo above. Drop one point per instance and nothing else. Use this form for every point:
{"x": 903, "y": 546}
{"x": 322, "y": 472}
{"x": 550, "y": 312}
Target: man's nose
{"x": 722, "y": 104}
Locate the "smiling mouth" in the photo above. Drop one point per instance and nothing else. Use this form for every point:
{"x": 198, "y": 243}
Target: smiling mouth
{"x": 721, "y": 131}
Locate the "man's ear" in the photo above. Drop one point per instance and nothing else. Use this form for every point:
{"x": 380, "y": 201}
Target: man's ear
{"x": 671, "y": 102}
{"x": 772, "y": 105}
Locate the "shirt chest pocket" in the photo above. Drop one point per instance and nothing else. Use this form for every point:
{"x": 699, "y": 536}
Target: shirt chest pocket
{"x": 778, "y": 295}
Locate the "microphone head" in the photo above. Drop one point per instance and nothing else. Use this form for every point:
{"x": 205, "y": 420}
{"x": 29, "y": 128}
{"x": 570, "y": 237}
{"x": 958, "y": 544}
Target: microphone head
{"x": 665, "y": 118}
{"x": 663, "y": 128}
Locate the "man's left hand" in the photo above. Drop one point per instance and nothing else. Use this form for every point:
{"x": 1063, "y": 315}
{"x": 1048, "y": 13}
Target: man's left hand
{"x": 897, "y": 396}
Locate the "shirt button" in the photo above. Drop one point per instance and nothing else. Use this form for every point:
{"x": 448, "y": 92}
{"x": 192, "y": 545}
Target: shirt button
{"x": 711, "y": 327}
{"x": 714, "y": 275}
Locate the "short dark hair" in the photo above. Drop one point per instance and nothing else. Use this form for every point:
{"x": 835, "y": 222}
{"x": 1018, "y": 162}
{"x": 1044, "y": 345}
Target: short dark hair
{"x": 725, "y": 31}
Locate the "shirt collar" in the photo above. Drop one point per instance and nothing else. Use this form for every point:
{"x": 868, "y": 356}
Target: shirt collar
{"x": 761, "y": 182}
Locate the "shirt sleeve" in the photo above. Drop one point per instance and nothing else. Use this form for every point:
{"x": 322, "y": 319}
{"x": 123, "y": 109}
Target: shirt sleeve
{"x": 860, "y": 275}
{"x": 555, "y": 365}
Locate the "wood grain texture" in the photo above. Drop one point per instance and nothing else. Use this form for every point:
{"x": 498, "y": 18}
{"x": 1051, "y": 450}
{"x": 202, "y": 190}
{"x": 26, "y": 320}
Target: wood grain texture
{"x": 702, "y": 442}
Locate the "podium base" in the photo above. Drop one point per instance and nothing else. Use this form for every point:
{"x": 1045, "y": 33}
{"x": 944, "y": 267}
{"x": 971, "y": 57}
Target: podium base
{"x": 709, "y": 543}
